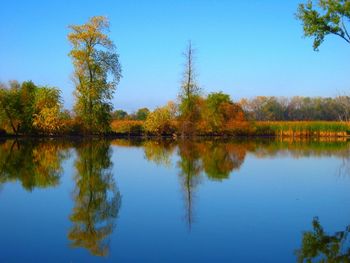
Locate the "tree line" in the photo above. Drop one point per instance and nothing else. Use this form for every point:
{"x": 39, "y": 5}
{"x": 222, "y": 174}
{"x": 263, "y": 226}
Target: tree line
{"x": 297, "y": 108}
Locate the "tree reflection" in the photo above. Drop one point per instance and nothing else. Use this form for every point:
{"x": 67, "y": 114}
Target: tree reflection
{"x": 219, "y": 159}
{"x": 216, "y": 159}
{"x": 317, "y": 246}
{"x": 97, "y": 199}
{"x": 33, "y": 163}
{"x": 190, "y": 169}
{"x": 159, "y": 152}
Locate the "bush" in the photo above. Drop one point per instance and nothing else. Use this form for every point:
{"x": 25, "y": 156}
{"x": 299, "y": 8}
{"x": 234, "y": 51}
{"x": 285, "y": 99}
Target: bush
{"x": 160, "y": 121}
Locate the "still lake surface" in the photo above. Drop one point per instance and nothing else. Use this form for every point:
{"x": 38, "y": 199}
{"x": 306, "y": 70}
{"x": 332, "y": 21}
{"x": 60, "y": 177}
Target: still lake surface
{"x": 165, "y": 201}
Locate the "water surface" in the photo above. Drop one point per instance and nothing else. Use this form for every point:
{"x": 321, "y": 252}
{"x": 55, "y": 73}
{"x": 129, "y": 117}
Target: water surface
{"x": 166, "y": 201}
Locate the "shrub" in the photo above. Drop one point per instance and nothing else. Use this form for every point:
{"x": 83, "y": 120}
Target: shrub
{"x": 160, "y": 121}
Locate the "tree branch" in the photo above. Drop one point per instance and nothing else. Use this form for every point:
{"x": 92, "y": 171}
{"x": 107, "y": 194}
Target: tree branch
{"x": 344, "y": 28}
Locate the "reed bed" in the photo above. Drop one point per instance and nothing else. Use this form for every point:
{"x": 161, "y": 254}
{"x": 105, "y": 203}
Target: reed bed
{"x": 303, "y": 128}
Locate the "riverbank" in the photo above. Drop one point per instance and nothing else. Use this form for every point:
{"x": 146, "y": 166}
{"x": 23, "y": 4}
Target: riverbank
{"x": 135, "y": 129}
{"x": 247, "y": 129}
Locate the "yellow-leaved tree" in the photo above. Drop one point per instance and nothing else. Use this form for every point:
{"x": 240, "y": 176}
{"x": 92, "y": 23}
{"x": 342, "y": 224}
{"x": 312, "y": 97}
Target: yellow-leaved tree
{"x": 97, "y": 72}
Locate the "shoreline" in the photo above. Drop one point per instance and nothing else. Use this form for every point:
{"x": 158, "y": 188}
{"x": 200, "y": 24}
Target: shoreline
{"x": 170, "y": 136}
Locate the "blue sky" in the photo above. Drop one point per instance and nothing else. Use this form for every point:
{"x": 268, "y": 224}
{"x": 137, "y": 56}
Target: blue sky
{"x": 244, "y": 48}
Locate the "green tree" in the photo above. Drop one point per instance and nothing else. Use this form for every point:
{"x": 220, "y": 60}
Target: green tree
{"x": 10, "y": 105}
{"x": 17, "y": 106}
{"x": 119, "y": 115}
{"x": 97, "y": 72}
{"x": 214, "y": 113}
{"x": 142, "y": 114}
{"x": 26, "y": 108}
{"x": 27, "y": 101}
{"x": 331, "y": 17}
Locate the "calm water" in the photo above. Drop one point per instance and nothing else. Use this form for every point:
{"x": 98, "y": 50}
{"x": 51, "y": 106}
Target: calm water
{"x": 152, "y": 201}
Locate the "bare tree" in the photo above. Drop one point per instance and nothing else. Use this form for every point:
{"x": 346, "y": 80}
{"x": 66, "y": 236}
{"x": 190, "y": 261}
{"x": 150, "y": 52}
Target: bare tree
{"x": 344, "y": 103}
{"x": 189, "y": 93}
{"x": 189, "y": 86}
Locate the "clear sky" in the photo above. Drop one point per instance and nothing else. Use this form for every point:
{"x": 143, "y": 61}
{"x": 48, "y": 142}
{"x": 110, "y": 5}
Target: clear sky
{"x": 244, "y": 48}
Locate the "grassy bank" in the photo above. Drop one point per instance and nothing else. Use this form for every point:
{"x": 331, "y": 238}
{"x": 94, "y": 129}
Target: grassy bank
{"x": 297, "y": 129}
{"x": 280, "y": 129}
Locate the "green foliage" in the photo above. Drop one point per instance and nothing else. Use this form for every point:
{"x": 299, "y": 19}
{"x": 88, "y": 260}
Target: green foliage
{"x": 119, "y": 115}
{"x": 331, "y": 17}
{"x": 27, "y": 108}
{"x": 142, "y": 114}
{"x": 28, "y": 93}
{"x": 216, "y": 99}
{"x": 17, "y": 106}
{"x": 97, "y": 72}
{"x": 214, "y": 113}
{"x": 189, "y": 108}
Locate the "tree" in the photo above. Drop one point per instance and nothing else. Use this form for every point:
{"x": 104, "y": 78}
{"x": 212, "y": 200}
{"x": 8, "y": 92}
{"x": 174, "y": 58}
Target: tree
{"x": 331, "y": 17}
{"x": 17, "y": 106}
{"x": 344, "y": 104}
{"x": 9, "y": 104}
{"x": 119, "y": 115}
{"x": 142, "y": 114}
{"x": 160, "y": 120}
{"x": 48, "y": 110}
{"x": 214, "y": 103}
{"x": 215, "y": 99}
{"x": 27, "y": 100}
{"x": 27, "y": 108}
{"x": 97, "y": 72}
{"x": 190, "y": 92}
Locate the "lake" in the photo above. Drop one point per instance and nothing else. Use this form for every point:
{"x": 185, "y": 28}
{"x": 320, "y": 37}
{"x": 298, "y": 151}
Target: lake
{"x": 264, "y": 200}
